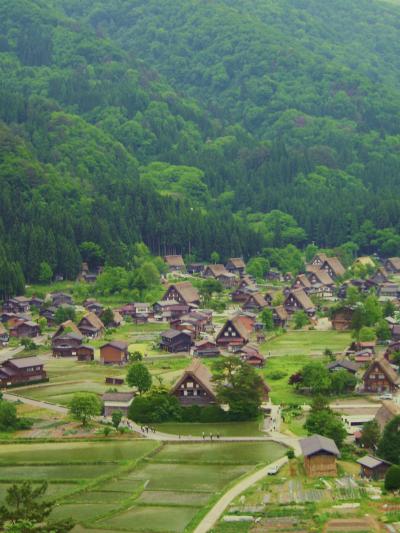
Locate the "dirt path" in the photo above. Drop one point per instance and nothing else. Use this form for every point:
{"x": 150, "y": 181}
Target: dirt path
{"x": 8, "y": 353}
{"x": 213, "y": 516}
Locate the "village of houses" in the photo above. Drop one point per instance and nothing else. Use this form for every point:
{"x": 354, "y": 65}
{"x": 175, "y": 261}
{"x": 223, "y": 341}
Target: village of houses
{"x": 179, "y": 339}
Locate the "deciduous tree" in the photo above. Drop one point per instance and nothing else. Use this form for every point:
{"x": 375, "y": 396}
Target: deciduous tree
{"x": 139, "y": 376}
{"x": 84, "y": 406}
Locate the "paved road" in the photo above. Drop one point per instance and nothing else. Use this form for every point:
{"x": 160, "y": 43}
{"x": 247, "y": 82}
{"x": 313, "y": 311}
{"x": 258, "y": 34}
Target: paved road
{"x": 274, "y": 436}
{"x": 213, "y": 516}
{"x": 365, "y": 405}
{"x": 36, "y": 403}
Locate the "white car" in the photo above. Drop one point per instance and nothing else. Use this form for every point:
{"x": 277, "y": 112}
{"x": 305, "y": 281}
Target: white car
{"x": 386, "y": 396}
{"x": 274, "y": 469}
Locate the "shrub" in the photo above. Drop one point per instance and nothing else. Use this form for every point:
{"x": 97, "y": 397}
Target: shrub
{"x": 106, "y": 431}
{"x": 277, "y": 374}
{"x": 191, "y": 414}
{"x": 392, "y": 478}
{"x": 213, "y": 413}
{"x": 154, "y": 407}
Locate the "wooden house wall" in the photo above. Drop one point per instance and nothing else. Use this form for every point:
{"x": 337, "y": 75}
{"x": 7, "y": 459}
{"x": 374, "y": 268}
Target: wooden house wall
{"x": 320, "y": 465}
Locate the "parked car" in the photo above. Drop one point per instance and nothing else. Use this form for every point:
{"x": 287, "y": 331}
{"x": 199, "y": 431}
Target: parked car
{"x": 386, "y": 396}
{"x": 273, "y": 469}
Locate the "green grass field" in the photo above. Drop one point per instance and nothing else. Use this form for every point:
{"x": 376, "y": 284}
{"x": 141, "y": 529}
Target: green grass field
{"x": 68, "y": 376}
{"x": 312, "y": 343}
{"x": 227, "y": 429}
{"x": 281, "y": 391}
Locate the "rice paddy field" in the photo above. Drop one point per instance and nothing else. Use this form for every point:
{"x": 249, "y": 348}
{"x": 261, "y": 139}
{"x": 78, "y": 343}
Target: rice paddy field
{"x": 137, "y": 485}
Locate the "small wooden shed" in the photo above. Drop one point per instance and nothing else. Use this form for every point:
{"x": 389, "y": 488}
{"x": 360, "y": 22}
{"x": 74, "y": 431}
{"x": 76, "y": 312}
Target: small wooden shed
{"x": 320, "y": 454}
{"x": 373, "y": 467}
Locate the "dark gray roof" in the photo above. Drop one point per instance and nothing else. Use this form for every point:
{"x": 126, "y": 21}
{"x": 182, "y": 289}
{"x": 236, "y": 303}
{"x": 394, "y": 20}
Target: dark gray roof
{"x": 347, "y": 365}
{"x": 31, "y": 324}
{"x": 70, "y": 335}
{"x": 172, "y": 333}
{"x": 120, "y": 345}
{"x": 318, "y": 443}
{"x": 371, "y": 462}
{"x": 25, "y": 362}
{"x": 117, "y": 396}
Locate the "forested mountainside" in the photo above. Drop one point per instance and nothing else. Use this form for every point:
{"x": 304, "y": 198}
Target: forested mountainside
{"x": 182, "y": 123}
{"x": 81, "y": 121}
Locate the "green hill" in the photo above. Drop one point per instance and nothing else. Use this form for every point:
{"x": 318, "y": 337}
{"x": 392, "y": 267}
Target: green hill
{"x": 182, "y": 123}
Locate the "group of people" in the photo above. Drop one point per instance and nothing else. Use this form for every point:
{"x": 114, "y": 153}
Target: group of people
{"x": 211, "y": 436}
{"x": 146, "y": 429}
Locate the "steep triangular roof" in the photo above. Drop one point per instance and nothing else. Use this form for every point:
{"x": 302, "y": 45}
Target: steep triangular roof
{"x": 189, "y": 293}
{"x": 321, "y": 256}
{"x": 395, "y": 262}
{"x": 174, "y": 260}
{"x": 322, "y": 276}
{"x": 218, "y": 270}
{"x": 117, "y": 317}
{"x": 240, "y": 323}
{"x": 93, "y": 320}
{"x": 335, "y": 265}
{"x": 386, "y": 368}
{"x": 67, "y": 327}
{"x": 302, "y": 298}
{"x": 302, "y": 278}
{"x": 281, "y": 312}
{"x": 199, "y": 373}
{"x": 258, "y": 299}
{"x": 237, "y": 262}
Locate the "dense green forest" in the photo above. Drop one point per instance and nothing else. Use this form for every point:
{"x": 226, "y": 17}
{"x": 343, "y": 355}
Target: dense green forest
{"x": 196, "y": 126}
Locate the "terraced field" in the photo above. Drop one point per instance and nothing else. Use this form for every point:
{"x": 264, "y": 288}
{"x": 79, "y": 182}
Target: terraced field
{"x": 136, "y": 485}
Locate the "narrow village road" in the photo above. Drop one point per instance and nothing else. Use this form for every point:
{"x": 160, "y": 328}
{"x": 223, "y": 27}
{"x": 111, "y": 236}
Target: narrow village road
{"x": 213, "y": 516}
{"x": 273, "y": 436}
{"x": 9, "y": 353}
{"x": 36, "y": 403}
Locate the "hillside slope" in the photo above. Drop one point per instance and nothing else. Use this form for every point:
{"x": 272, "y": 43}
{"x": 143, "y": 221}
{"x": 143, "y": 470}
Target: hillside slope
{"x": 317, "y": 83}
{"x": 82, "y": 120}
